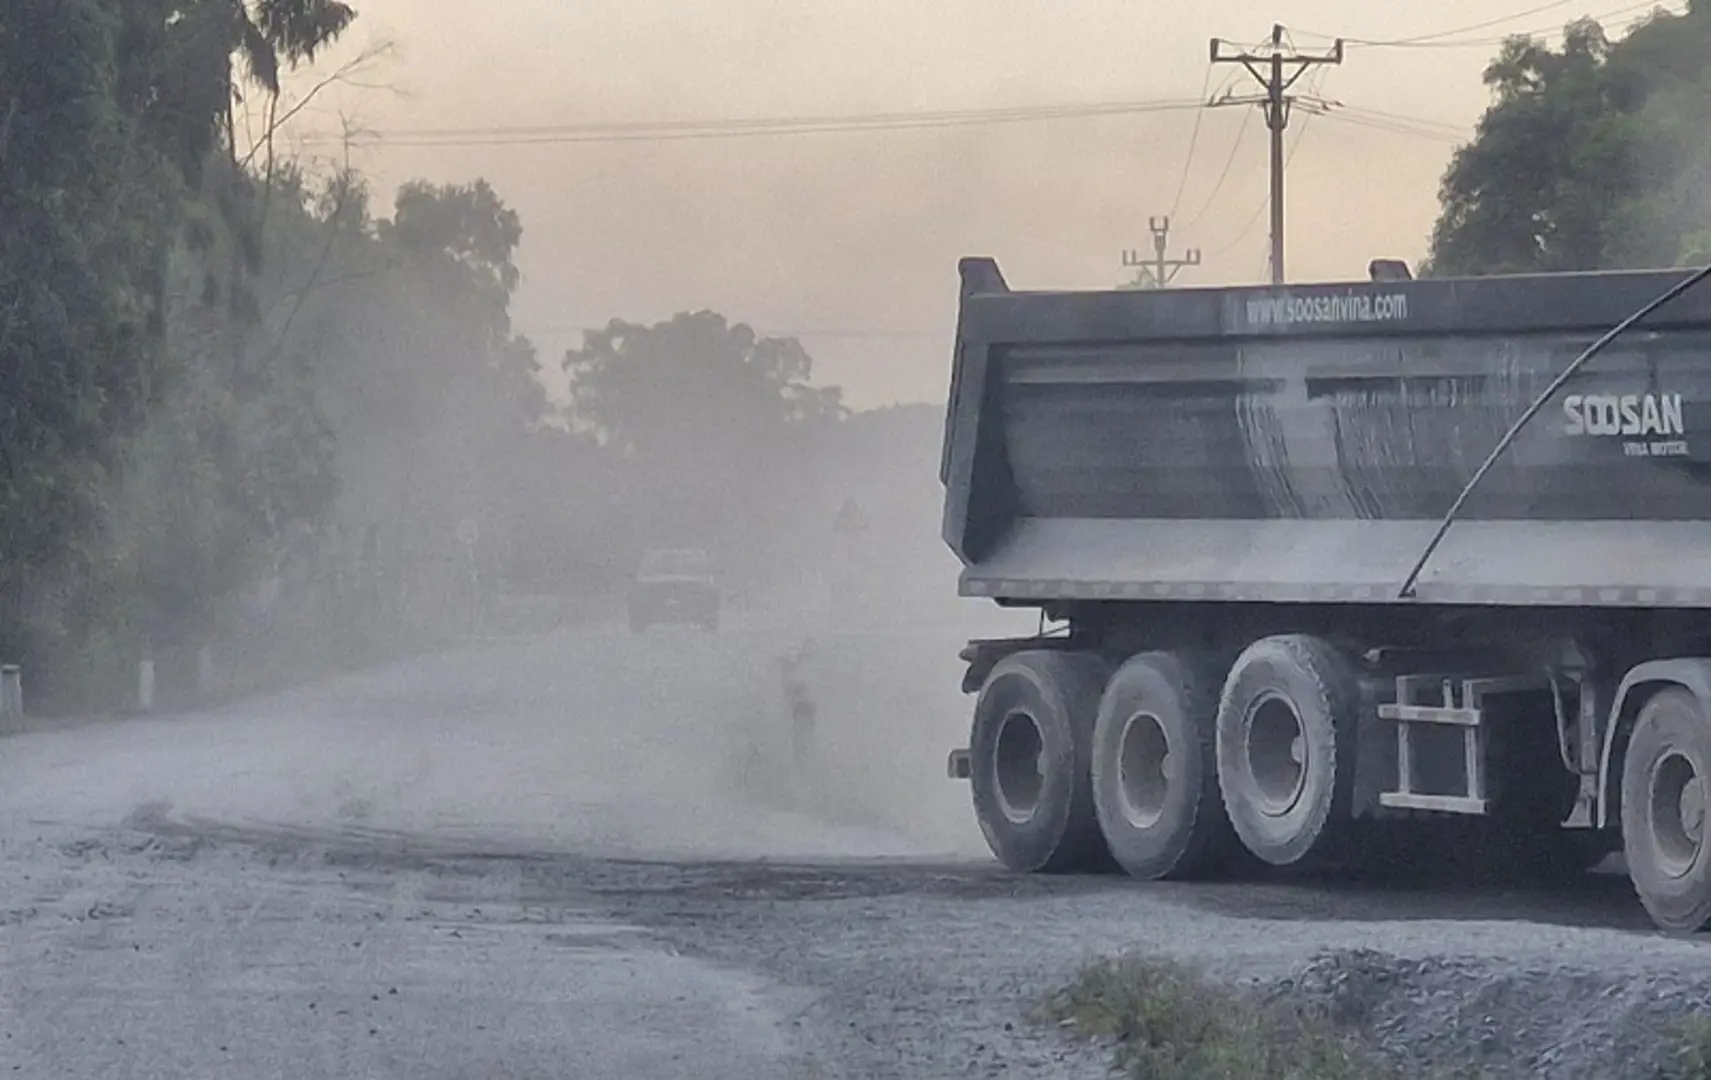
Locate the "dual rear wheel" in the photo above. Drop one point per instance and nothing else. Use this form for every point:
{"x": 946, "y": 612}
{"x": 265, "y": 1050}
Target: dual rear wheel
{"x": 1030, "y": 754}
{"x": 1164, "y": 766}
{"x": 1286, "y": 747}
{"x": 1172, "y": 765}
{"x": 1155, "y": 783}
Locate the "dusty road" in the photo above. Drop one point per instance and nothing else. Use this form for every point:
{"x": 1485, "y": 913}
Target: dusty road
{"x": 588, "y": 856}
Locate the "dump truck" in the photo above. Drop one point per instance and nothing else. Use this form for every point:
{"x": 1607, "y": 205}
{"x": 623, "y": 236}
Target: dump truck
{"x": 1387, "y": 573}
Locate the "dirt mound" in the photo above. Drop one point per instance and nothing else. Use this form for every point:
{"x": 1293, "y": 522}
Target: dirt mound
{"x": 1460, "y": 1015}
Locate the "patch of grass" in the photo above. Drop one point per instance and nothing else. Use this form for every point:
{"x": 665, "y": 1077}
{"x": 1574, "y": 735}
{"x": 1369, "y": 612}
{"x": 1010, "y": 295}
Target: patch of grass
{"x": 1168, "y": 1023}
{"x": 1687, "y": 1050}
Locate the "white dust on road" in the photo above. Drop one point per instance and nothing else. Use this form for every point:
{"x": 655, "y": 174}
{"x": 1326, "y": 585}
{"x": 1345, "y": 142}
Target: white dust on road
{"x": 146, "y": 957}
{"x": 131, "y": 954}
{"x": 669, "y": 744}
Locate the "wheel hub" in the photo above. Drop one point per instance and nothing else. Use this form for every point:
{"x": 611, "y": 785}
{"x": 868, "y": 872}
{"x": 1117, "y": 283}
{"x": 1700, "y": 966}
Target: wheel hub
{"x": 1676, "y": 813}
{"x": 1018, "y": 767}
{"x": 1145, "y": 769}
{"x": 1276, "y": 754}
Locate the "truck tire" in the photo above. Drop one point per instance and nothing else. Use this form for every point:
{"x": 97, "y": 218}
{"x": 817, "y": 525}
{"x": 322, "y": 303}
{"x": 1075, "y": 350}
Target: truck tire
{"x": 1155, "y": 769}
{"x": 1285, "y": 745}
{"x": 1029, "y": 751}
{"x": 1663, "y": 811}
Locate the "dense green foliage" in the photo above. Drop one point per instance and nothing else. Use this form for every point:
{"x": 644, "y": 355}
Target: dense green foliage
{"x": 111, "y": 122}
{"x": 1589, "y": 156}
{"x": 82, "y": 256}
{"x": 237, "y": 404}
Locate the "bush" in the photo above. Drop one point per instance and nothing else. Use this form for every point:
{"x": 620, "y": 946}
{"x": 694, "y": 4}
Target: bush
{"x": 1167, "y": 1023}
{"x": 1687, "y": 1050}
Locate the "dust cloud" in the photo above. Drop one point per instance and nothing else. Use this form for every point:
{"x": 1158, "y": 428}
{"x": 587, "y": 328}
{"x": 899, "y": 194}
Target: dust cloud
{"x": 380, "y": 484}
{"x": 566, "y": 733}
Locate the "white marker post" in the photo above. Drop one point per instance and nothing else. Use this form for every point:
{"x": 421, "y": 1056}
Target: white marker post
{"x": 204, "y": 672}
{"x": 469, "y": 534}
{"x": 145, "y": 685}
{"x": 11, "y": 692}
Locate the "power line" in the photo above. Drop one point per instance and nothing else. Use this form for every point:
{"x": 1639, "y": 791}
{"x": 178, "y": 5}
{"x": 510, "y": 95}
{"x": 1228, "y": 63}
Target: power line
{"x": 1229, "y": 162}
{"x": 1437, "y": 35}
{"x": 1451, "y": 130}
{"x": 1379, "y": 119}
{"x": 660, "y": 131}
{"x": 769, "y": 122}
{"x": 1193, "y": 143}
{"x": 1259, "y": 211}
{"x": 1647, "y": 6}
{"x": 1432, "y": 41}
{"x": 1379, "y": 123}
{"x": 728, "y": 128}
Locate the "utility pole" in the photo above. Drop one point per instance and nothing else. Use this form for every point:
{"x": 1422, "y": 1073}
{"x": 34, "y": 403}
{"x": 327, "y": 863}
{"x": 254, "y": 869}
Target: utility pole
{"x": 1160, "y": 269}
{"x": 1277, "y": 71}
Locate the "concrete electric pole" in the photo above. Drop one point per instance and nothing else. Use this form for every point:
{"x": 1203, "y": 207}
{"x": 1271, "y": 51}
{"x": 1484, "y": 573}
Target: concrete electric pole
{"x": 1160, "y": 270}
{"x": 1277, "y": 69}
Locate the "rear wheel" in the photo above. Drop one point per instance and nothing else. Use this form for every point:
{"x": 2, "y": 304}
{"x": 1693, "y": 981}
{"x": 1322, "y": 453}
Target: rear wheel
{"x": 1029, "y": 762}
{"x": 1155, "y": 772}
{"x": 1285, "y": 744}
{"x": 1663, "y": 811}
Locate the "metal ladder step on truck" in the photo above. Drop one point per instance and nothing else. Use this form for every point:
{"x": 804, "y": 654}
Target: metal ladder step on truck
{"x": 1392, "y": 575}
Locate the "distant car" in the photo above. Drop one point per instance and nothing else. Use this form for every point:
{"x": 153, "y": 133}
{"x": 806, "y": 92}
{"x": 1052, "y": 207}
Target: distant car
{"x": 674, "y": 585}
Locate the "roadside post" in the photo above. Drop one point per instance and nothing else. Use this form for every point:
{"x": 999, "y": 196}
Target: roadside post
{"x": 469, "y": 535}
{"x": 11, "y": 692}
{"x": 205, "y": 673}
{"x": 847, "y": 594}
{"x": 145, "y": 686}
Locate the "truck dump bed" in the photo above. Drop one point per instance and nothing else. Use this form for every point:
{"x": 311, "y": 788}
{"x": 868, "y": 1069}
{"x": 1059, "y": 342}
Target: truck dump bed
{"x": 1301, "y": 444}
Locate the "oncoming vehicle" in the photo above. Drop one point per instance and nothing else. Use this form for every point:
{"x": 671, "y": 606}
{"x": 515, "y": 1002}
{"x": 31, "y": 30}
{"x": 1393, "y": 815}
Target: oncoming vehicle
{"x": 674, "y": 585}
{"x": 1394, "y": 569}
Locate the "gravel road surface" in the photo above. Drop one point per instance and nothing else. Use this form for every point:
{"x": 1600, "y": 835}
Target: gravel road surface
{"x": 592, "y": 855}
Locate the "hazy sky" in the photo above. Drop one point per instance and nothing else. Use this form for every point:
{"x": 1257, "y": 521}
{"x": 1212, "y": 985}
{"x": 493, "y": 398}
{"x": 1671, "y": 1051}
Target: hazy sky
{"x": 851, "y": 238}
